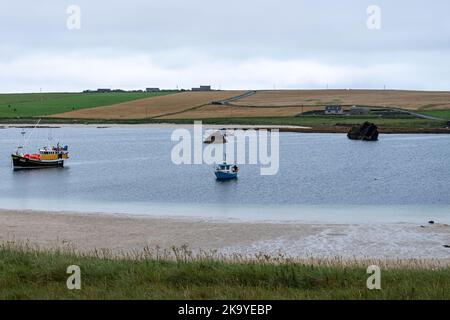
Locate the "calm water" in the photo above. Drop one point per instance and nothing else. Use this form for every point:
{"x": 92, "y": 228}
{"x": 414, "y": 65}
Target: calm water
{"x": 322, "y": 177}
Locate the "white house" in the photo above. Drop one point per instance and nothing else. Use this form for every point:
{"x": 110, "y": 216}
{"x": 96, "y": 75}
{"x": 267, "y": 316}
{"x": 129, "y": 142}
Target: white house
{"x": 334, "y": 110}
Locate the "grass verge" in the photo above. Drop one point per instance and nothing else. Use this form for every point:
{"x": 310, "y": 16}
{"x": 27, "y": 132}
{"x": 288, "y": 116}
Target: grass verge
{"x": 35, "y": 274}
{"x": 307, "y": 121}
{"x": 42, "y": 104}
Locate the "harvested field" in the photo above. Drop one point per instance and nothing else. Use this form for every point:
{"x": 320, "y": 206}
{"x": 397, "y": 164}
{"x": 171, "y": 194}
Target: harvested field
{"x": 414, "y": 100}
{"x": 151, "y": 107}
{"x": 213, "y": 111}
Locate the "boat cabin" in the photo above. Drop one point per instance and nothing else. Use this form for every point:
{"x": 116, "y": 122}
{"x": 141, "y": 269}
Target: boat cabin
{"x": 54, "y": 154}
{"x": 224, "y": 167}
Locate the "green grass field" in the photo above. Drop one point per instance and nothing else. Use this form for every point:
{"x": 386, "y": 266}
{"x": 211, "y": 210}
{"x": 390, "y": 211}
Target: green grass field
{"x": 42, "y": 275}
{"x": 41, "y": 104}
{"x": 444, "y": 114}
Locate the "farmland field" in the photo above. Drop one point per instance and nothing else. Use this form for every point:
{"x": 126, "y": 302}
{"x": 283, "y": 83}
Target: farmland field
{"x": 151, "y": 107}
{"x": 264, "y": 107}
{"x": 415, "y": 100}
{"x": 42, "y": 104}
{"x": 214, "y": 111}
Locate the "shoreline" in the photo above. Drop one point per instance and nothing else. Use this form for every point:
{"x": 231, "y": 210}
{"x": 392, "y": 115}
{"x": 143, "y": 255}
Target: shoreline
{"x": 146, "y": 125}
{"x": 123, "y": 234}
{"x": 281, "y": 128}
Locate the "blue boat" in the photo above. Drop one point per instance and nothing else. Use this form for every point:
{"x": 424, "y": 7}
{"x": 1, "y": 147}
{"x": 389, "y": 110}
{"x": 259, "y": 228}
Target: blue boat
{"x": 226, "y": 171}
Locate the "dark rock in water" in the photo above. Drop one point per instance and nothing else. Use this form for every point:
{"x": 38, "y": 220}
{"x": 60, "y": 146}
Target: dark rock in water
{"x": 446, "y": 246}
{"x": 366, "y": 131}
{"x": 431, "y": 222}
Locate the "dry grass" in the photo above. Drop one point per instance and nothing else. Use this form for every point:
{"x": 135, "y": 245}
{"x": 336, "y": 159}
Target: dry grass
{"x": 415, "y": 100}
{"x": 214, "y": 111}
{"x": 150, "y": 107}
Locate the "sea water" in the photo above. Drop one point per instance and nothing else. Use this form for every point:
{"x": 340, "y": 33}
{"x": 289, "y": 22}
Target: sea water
{"x": 322, "y": 177}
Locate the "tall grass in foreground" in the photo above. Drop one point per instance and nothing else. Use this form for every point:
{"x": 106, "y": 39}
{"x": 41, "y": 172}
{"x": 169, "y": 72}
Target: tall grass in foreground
{"x": 26, "y": 272}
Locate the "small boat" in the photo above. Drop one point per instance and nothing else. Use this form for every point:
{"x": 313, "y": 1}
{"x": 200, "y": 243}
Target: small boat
{"x": 46, "y": 158}
{"x": 226, "y": 171}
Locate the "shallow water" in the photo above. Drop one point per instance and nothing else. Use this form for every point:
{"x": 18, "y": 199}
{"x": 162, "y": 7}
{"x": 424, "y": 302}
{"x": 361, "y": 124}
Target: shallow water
{"x": 322, "y": 177}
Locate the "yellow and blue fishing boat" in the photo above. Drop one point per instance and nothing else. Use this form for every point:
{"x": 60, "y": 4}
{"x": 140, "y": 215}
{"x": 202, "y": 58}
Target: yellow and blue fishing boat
{"x": 46, "y": 158}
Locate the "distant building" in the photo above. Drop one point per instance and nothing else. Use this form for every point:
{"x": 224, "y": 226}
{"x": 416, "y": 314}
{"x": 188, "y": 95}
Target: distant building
{"x": 152, "y": 89}
{"x": 103, "y": 90}
{"x": 202, "y": 88}
{"x": 334, "y": 110}
{"x": 358, "y": 111}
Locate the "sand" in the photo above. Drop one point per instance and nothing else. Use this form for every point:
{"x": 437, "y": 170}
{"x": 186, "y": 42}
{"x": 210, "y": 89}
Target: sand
{"x": 123, "y": 234}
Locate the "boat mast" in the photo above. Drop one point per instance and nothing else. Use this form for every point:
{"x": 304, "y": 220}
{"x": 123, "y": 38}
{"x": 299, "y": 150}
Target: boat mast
{"x": 224, "y": 141}
{"x": 29, "y": 137}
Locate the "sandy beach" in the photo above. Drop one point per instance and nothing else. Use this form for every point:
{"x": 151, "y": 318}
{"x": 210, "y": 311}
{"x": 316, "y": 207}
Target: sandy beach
{"x": 124, "y": 234}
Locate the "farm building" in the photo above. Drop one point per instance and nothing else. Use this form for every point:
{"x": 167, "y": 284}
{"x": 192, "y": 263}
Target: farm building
{"x": 357, "y": 111}
{"x": 152, "y": 89}
{"x": 202, "y": 88}
{"x": 334, "y": 110}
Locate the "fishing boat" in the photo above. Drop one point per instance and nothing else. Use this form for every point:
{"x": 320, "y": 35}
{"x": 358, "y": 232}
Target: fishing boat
{"x": 225, "y": 171}
{"x": 46, "y": 158}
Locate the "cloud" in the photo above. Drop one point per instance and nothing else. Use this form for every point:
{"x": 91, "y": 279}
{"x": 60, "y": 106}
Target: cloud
{"x": 89, "y": 70}
{"x": 232, "y": 44}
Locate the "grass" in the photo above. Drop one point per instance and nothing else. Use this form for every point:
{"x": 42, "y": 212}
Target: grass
{"x": 34, "y": 274}
{"x": 444, "y": 114}
{"x": 41, "y": 104}
{"x": 326, "y": 121}
{"x": 308, "y": 121}
{"x": 24, "y": 108}
{"x": 330, "y": 121}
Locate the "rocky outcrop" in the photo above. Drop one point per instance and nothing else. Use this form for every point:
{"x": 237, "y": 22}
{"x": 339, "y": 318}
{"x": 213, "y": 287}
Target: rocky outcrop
{"x": 367, "y": 132}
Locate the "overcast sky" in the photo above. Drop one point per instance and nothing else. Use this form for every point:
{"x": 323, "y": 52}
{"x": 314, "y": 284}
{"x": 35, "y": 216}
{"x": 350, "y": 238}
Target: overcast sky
{"x": 233, "y": 44}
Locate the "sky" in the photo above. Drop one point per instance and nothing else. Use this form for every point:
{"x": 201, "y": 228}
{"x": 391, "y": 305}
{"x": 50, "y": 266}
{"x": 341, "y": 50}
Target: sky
{"x": 253, "y": 44}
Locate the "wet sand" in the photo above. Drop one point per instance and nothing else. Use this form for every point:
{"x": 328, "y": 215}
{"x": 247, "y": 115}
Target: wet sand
{"x": 123, "y": 234}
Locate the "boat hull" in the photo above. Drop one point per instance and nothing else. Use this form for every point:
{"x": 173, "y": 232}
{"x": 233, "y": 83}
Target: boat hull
{"x": 22, "y": 163}
{"x": 225, "y": 176}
